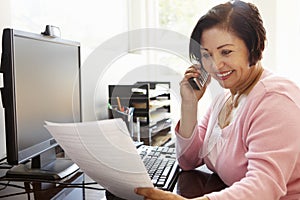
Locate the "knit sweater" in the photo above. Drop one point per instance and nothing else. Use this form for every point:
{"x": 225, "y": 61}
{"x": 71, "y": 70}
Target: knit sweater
{"x": 258, "y": 153}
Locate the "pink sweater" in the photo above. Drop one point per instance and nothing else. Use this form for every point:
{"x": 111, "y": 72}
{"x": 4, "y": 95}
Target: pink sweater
{"x": 260, "y": 153}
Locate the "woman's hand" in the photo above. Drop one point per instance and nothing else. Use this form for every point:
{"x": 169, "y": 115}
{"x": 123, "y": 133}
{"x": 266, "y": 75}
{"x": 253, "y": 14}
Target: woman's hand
{"x": 157, "y": 194}
{"x": 189, "y": 94}
{"x": 189, "y": 102}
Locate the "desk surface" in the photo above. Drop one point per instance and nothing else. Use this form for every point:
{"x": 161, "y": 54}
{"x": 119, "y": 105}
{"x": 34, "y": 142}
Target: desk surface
{"x": 190, "y": 184}
{"x": 196, "y": 183}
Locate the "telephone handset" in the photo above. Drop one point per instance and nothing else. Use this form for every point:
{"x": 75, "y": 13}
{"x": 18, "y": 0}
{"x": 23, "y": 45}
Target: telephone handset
{"x": 199, "y": 82}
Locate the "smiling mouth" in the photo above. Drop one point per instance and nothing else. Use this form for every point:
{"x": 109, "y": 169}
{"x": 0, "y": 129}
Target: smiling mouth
{"x": 224, "y": 75}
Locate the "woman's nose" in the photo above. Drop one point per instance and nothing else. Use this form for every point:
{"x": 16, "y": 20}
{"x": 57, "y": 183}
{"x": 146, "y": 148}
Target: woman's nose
{"x": 217, "y": 62}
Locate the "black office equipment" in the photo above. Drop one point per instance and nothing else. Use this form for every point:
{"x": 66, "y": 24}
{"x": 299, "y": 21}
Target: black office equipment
{"x": 41, "y": 83}
{"x": 152, "y": 107}
{"x": 51, "y": 31}
{"x": 199, "y": 82}
{"x": 161, "y": 165}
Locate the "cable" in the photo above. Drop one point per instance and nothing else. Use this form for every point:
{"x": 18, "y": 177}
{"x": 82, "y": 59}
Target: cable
{"x": 2, "y": 178}
{"x": 5, "y": 163}
{"x": 2, "y": 159}
{"x": 63, "y": 184}
{"x": 4, "y": 167}
{"x": 14, "y": 194}
{"x": 12, "y": 185}
{"x": 4, "y": 187}
{"x": 28, "y": 191}
{"x": 44, "y": 181}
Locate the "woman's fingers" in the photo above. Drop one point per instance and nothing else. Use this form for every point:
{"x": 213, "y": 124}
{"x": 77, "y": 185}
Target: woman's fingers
{"x": 157, "y": 194}
{"x": 192, "y": 72}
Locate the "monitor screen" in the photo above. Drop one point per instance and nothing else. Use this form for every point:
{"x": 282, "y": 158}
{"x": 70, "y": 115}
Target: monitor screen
{"x": 41, "y": 83}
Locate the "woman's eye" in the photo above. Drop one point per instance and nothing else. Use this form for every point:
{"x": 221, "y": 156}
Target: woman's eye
{"x": 206, "y": 55}
{"x": 226, "y": 52}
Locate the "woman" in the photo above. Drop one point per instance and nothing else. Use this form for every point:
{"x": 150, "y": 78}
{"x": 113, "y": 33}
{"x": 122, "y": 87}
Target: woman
{"x": 250, "y": 136}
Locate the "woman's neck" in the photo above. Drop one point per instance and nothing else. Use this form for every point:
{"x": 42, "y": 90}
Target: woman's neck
{"x": 249, "y": 84}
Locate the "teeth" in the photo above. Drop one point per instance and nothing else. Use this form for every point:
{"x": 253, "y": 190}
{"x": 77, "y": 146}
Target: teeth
{"x": 224, "y": 74}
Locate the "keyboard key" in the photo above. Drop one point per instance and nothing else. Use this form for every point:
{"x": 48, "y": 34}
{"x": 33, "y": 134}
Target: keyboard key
{"x": 161, "y": 165}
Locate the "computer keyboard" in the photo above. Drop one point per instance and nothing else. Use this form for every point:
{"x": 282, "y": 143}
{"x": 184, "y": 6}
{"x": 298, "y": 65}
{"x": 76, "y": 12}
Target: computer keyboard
{"x": 161, "y": 165}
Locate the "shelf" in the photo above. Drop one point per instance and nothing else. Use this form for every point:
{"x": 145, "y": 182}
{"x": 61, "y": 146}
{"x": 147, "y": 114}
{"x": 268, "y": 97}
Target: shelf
{"x": 154, "y": 93}
{"x": 156, "y": 104}
{"x": 151, "y": 102}
{"x": 158, "y": 116}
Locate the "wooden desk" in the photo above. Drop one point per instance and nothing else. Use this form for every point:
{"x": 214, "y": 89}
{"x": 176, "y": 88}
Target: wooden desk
{"x": 190, "y": 184}
{"x": 196, "y": 183}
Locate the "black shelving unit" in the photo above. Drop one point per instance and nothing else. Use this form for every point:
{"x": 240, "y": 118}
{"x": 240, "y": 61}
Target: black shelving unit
{"x": 151, "y": 102}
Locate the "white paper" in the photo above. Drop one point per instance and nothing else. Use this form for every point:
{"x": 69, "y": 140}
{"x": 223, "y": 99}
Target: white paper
{"x": 105, "y": 151}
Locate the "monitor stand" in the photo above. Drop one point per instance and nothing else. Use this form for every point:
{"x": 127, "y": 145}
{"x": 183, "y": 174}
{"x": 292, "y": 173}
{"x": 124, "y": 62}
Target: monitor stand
{"x": 45, "y": 166}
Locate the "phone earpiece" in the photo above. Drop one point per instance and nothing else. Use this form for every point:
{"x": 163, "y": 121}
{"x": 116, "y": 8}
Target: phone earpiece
{"x": 195, "y": 85}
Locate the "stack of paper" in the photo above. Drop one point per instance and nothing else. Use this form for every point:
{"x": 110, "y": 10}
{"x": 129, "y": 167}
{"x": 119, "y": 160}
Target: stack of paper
{"x": 105, "y": 151}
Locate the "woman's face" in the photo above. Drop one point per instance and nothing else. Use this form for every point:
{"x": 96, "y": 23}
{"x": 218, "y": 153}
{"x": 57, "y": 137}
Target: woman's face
{"x": 226, "y": 58}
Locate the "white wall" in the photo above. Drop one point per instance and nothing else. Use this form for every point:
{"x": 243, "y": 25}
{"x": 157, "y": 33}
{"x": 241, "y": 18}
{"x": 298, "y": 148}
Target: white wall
{"x": 288, "y": 39}
{"x": 268, "y": 11}
{"x": 90, "y": 22}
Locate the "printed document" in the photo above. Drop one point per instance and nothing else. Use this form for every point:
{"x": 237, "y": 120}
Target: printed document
{"x": 104, "y": 151}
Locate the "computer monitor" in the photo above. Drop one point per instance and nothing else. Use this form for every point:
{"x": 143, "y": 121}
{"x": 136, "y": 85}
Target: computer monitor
{"x": 41, "y": 83}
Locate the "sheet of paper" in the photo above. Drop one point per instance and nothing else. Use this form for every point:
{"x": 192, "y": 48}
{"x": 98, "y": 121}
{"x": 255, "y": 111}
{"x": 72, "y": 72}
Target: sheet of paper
{"x": 105, "y": 152}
